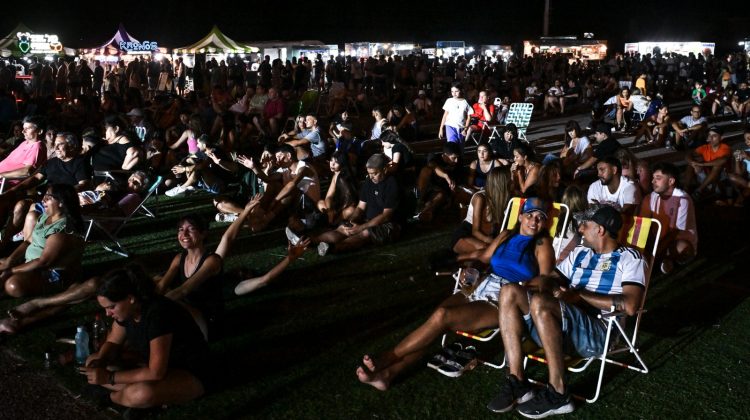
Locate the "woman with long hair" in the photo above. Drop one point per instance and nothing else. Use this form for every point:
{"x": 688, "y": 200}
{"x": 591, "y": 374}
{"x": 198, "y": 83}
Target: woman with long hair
{"x": 624, "y": 108}
{"x": 636, "y": 170}
{"x": 549, "y": 187}
{"x": 485, "y": 213}
{"x": 524, "y": 170}
{"x": 342, "y": 197}
{"x": 577, "y": 148}
{"x": 51, "y": 257}
{"x": 481, "y": 167}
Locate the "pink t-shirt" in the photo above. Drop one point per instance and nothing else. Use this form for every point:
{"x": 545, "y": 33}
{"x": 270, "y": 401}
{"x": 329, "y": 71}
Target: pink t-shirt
{"x": 26, "y": 154}
{"x": 676, "y": 213}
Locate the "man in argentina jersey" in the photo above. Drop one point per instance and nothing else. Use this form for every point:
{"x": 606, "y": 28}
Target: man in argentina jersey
{"x": 560, "y": 312}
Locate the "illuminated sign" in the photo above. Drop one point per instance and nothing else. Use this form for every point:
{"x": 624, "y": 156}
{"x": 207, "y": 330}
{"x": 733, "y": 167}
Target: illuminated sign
{"x": 38, "y": 43}
{"x": 145, "y": 46}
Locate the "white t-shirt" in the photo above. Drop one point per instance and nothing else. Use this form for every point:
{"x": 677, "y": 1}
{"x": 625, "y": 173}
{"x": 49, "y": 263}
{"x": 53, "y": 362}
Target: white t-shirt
{"x": 603, "y": 273}
{"x": 307, "y": 185}
{"x": 627, "y": 193}
{"x": 458, "y": 110}
{"x": 689, "y": 121}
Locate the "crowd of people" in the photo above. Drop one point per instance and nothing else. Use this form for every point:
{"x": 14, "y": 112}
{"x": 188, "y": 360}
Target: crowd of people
{"x": 343, "y": 175}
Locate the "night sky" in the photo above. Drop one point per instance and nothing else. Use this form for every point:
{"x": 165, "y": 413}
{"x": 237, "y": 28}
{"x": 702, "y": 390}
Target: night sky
{"x": 175, "y": 23}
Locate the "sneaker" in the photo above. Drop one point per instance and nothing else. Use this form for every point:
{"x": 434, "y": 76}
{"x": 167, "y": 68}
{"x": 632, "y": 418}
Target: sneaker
{"x": 445, "y": 354}
{"x": 546, "y": 403}
{"x": 514, "y": 391}
{"x": 18, "y": 237}
{"x": 292, "y": 237}
{"x": 464, "y": 360}
{"x": 174, "y": 192}
{"x": 323, "y": 248}
{"x": 226, "y": 217}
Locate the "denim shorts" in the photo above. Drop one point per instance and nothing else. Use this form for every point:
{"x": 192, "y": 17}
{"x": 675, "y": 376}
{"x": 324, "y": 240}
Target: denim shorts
{"x": 488, "y": 290}
{"x": 583, "y": 333}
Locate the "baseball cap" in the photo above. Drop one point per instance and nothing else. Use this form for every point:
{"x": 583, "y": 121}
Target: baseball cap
{"x": 535, "y": 204}
{"x": 603, "y": 215}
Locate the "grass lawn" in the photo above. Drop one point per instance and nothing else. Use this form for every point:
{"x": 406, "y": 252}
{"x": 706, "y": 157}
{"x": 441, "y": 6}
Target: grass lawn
{"x": 290, "y": 350}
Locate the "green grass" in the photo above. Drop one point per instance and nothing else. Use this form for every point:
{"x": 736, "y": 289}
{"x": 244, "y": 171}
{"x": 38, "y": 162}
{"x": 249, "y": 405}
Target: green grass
{"x": 290, "y": 350}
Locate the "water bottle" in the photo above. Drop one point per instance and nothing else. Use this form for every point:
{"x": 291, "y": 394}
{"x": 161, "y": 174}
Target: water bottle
{"x": 99, "y": 330}
{"x": 82, "y": 346}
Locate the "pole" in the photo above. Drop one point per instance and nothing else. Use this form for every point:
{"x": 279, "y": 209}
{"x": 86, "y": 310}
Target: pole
{"x": 545, "y": 30}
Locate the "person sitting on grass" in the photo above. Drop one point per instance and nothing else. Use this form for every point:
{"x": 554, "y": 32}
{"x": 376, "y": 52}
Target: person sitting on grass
{"x": 706, "y": 164}
{"x": 197, "y": 288}
{"x": 375, "y": 221}
{"x": 485, "y": 213}
{"x": 340, "y": 201}
{"x": 294, "y": 185}
{"x": 556, "y": 309}
{"x": 209, "y": 169}
{"x": 514, "y": 257}
{"x": 674, "y": 208}
{"x": 51, "y": 257}
{"x": 174, "y": 359}
{"x": 438, "y": 180}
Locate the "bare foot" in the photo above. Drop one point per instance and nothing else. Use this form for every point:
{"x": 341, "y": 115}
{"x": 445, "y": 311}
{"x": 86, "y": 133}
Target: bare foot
{"x": 249, "y": 285}
{"x": 8, "y": 326}
{"x": 371, "y": 378}
{"x": 369, "y": 363}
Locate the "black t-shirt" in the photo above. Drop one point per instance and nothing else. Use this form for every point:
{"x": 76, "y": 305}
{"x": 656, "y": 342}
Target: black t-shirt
{"x": 56, "y": 171}
{"x": 743, "y": 94}
{"x": 406, "y": 160}
{"x": 608, "y": 147}
{"x": 503, "y": 149}
{"x": 380, "y": 196}
{"x": 110, "y": 156}
{"x": 161, "y": 316}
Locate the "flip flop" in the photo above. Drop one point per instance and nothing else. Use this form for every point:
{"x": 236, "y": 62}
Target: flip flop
{"x": 444, "y": 355}
{"x": 464, "y": 360}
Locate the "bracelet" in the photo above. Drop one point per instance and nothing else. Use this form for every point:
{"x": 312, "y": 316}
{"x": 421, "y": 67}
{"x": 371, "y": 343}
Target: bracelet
{"x": 112, "y": 378}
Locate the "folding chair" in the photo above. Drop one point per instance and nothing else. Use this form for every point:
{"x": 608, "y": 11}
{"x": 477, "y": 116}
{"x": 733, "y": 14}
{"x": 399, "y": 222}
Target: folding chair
{"x": 509, "y": 222}
{"x": 643, "y": 234}
{"x": 520, "y": 115}
{"x": 105, "y": 223}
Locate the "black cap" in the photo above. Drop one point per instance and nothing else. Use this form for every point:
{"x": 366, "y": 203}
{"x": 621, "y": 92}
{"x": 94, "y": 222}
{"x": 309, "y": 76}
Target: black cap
{"x": 603, "y": 127}
{"x": 603, "y": 215}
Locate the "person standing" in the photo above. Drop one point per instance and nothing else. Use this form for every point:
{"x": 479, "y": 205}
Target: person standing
{"x": 455, "y": 117}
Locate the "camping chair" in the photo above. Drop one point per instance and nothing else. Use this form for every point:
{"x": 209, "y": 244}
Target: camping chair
{"x": 105, "y": 223}
{"x": 643, "y": 234}
{"x": 116, "y": 176}
{"x": 520, "y": 115}
{"x": 509, "y": 222}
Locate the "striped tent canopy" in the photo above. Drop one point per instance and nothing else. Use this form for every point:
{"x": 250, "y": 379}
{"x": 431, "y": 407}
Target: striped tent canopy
{"x": 216, "y": 43}
{"x": 111, "y": 47}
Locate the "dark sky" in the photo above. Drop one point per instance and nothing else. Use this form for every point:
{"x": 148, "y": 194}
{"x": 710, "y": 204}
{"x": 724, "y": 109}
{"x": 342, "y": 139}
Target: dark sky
{"x": 175, "y": 23}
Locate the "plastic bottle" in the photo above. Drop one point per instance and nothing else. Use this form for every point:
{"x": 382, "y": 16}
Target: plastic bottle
{"x": 82, "y": 346}
{"x": 99, "y": 330}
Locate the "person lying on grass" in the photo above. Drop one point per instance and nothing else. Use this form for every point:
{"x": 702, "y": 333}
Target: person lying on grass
{"x": 193, "y": 278}
{"x": 50, "y": 259}
{"x": 514, "y": 257}
{"x": 173, "y": 360}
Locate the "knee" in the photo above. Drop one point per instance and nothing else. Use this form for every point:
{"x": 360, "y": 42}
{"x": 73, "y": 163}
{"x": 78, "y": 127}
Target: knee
{"x": 13, "y": 288}
{"x": 90, "y": 285}
{"x": 510, "y": 294}
{"x": 440, "y": 316}
{"x": 540, "y": 305}
{"x": 139, "y": 395}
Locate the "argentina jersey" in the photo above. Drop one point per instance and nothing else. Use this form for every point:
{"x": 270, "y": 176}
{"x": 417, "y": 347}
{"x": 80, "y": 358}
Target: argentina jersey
{"x": 603, "y": 273}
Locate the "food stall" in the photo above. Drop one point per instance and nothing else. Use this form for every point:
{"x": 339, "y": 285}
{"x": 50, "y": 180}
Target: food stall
{"x": 376, "y": 49}
{"x": 676, "y": 47}
{"x": 285, "y": 50}
{"x": 576, "y": 49}
{"x": 122, "y": 46}
{"x": 214, "y": 45}
{"x": 22, "y": 42}
{"x": 498, "y": 52}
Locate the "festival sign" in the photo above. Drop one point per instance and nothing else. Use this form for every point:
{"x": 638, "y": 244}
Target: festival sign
{"x": 29, "y": 43}
{"x": 135, "y": 46}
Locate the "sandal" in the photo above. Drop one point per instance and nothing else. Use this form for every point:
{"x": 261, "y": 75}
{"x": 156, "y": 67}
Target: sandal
{"x": 464, "y": 360}
{"x": 444, "y": 355}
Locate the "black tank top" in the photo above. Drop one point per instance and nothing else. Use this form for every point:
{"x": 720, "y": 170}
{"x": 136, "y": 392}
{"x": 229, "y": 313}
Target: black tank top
{"x": 207, "y": 297}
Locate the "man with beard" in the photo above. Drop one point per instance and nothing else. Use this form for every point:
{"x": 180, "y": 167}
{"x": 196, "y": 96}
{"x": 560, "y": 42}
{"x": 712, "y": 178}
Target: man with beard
{"x": 612, "y": 188}
{"x": 674, "y": 208}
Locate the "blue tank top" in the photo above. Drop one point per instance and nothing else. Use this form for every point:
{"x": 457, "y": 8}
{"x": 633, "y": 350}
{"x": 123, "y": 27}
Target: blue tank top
{"x": 511, "y": 263}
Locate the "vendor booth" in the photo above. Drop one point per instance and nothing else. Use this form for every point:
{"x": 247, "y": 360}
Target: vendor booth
{"x": 122, "y": 46}
{"x": 664, "y": 47}
{"x": 285, "y": 50}
{"x": 214, "y": 45}
{"x": 500, "y": 52}
{"x": 447, "y": 49}
{"x": 22, "y": 42}
{"x": 581, "y": 49}
{"x": 376, "y": 49}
